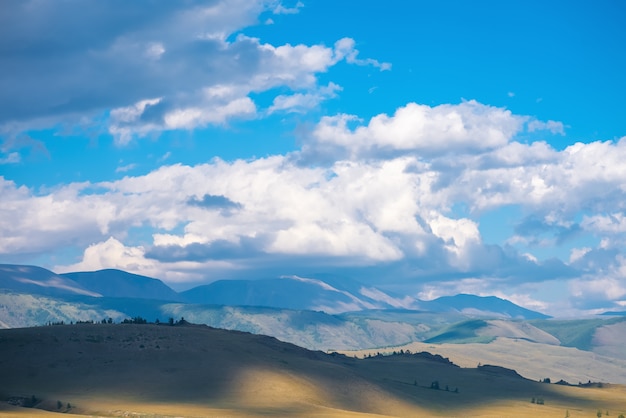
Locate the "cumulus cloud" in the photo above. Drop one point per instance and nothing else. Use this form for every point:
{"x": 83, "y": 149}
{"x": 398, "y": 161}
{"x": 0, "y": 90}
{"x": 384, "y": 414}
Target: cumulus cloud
{"x": 553, "y": 126}
{"x": 389, "y": 218}
{"x": 301, "y": 102}
{"x": 345, "y": 49}
{"x": 281, "y": 9}
{"x": 378, "y": 198}
{"x": 597, "y": 293}
{"x": 125, "y": 168}
{"x": 467, "y": 127}
{"x": 174, "y": 67}
{"x": 11, "y": 158}
{"x": 112, "y": 253}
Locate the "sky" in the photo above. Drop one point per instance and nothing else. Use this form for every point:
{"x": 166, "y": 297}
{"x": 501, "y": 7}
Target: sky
{"x": 425, "y": 148}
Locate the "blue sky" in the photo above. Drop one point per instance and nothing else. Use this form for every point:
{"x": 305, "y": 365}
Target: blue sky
{"x": 428, "y": 148}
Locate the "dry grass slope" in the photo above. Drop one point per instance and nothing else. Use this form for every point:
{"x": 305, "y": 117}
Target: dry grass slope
{"x": 196, "y": 371}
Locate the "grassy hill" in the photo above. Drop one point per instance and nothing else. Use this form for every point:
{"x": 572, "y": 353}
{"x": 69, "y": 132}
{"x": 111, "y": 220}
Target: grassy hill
{"x": 532, "y": 360}
{"x": 150, "y": 370}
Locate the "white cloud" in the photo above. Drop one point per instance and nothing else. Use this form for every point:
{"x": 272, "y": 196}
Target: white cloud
{"x": 292, "y": 66}
{"x": 301, "y": 102}
{"x": 614, "y": 223}
{"x": 469, "y": 126}
{"x": 113, "y": 254}
{"x": 578, "y": 253}
{"x": 176, "y": 64}
{"x": 155, "y": 50}
{"x": 361, "y": 209}
{"x": 591, "y": 292}
{"x": 165, "y": 156}
{"x": 11, "y": 158}
{"x": 365, "y": 213}
{"x": 280, "y": 9}
{"x": 125, "y": 168}
{"x": 344, "y": 49}
{"x": 553, "y": 126}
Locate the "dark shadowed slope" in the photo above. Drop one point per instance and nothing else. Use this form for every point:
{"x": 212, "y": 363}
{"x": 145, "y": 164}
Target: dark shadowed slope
{"x": 198, "y": 371}
{"x": 120, "y": 284}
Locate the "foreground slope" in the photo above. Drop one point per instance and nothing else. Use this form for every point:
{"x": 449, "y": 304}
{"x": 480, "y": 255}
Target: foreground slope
{"x": 123, "y": 370}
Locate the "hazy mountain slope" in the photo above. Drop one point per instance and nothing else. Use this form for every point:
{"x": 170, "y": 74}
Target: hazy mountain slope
{"x": 314, "y": 330}
{"x": 462, "y": 333}
{"x": 322, "y": 293}
{"x": 147, "y": 370}
{"x": 610, "y": 340}
{"x": 338, "y": 295}
{"x": 288, "y": 292}
{"x": 485, "y": 331}
{"x": 310, "y": 329}
{"x": 483, "y": 306}
{"x": 39, "y": 281}
{"x": 577, "y": 333}
{"x": 118, "y": 283}
{"x": 519, "y": 330}
{"x": 26, "y": 310}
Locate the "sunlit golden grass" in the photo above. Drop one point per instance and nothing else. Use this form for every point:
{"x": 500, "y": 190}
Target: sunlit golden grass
{"x": 147, "y": 370}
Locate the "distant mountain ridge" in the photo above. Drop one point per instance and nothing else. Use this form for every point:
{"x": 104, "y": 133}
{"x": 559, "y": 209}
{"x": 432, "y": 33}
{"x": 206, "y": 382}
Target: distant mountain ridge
{"x": 37, "y": 280}
{"x": 325, "y": 293}
{"x": 118, "y": 283}
{"x": 483, "y": 305}
{"x": 290, "y": 292}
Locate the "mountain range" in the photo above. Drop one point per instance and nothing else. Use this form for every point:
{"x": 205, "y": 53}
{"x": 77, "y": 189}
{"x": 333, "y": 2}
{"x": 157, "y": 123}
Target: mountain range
{"x": 288, "y": 292}
{"x": 323, "y": 313}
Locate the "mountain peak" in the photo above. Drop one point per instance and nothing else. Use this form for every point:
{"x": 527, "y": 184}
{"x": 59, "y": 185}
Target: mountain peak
{"x": 119, "y": 283}
{"x": 38, "y": 280}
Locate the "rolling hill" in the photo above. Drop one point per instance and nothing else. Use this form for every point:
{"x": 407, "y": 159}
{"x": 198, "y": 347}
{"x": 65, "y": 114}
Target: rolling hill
{"x": 150, "y": 370}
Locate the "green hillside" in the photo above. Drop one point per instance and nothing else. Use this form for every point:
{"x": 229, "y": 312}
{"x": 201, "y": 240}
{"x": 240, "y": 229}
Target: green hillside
{"x": 575, "y": 332}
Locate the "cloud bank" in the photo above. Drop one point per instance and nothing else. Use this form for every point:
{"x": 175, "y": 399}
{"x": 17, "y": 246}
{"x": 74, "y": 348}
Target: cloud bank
{"x": 405, "y": 200}
{"x": 180, "y": 66}
{"x": 241, "y": 218}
